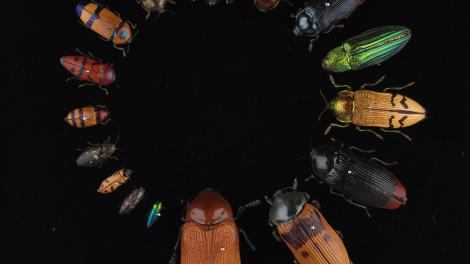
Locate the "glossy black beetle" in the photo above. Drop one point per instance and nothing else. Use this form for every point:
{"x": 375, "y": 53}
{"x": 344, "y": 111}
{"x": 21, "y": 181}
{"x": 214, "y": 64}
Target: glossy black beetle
{"x": 96, "y": 154}
{"x": 322, "y": 15}
{"x": 357, "y": 178}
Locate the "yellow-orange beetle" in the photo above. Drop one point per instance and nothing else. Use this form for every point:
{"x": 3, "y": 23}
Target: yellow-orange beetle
{"x": 117, "y": 179}
{"x": 87, "y": 116}
{"x": 365, "y": 108}
{"x": 106, "y": 23}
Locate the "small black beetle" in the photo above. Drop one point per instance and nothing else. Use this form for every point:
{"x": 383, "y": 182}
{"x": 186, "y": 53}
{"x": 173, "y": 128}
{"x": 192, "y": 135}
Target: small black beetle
{"x": 322, "y": 15}
{"x": 96, "y": 154}
{"x": 357, "y": 178}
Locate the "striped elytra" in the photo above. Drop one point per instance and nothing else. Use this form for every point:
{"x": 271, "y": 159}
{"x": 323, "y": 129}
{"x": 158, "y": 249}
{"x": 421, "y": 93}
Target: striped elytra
{"x": 87, "y": 116}
{"x": 113, "y": 182}
{"x": 304, "y": 230}
{"x": 209, "y": 233}
{"x": 87, "y": 69}
{"x": 104, "y": 22}
{"x": 372, "y": 47}
{"x": 362, "y": 180}
{"x": 312, "y": 240}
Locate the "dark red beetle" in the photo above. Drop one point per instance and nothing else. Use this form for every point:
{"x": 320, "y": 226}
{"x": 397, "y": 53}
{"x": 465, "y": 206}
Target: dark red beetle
{"x": 89, "y": 69}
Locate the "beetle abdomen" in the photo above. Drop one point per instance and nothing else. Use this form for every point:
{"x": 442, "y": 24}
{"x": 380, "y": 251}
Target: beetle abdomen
{"x": 312, "y": 240}
{"x": 99, "y": 19}
{"x": 218, "y": 244}
{"x": 82, "y": 117}
{"x": 376, "y": 45}
{"x": 370, "y": 184}
{"x": 386, "y": 110}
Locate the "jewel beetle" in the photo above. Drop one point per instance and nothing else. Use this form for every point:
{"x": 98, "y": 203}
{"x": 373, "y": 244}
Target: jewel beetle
{"x": 303, "y": 228}
{"x": 361, "y": 181}
{"x": 132, "y": 200}
{"x": 88, "y": 116}
{"x": 154, "y": 213}
{"x": 89, "y": 69}
{"x": 113, "y": 182}
{"x": 96, "y": 154}
{"x": 371, "y": 47}
{"x": 366, "y": 108}
{"x": 209, "y": 233}
{"x": 107, "y": 24}
{"x": 155, "y": 6}
{"x": 322, "y": 16}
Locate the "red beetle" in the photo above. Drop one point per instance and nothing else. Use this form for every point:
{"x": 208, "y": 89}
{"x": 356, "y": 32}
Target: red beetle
{"x": 209, "y": 233}
{"x": 89, "y": 69}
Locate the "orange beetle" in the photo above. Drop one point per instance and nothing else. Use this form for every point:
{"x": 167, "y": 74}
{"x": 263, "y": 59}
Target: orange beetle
{"x": 365, "y": 108}
{"x": 304, "y": 229}
{"x": 113, "y": 182}
{"x": 106, "y": 23}
{"x": 209, "y": 233}
{"x": 88, "y": 116}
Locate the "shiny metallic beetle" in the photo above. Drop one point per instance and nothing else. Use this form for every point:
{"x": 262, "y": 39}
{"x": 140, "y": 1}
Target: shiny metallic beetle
{"x": 132, "y": 200}
{"x": 322, "y": 15}
{"x": 366, "y": 49}
{"x": 365, "y": 108}
{"x": 155, "y": 6}
{"x": 361, "y": 181}
{"x": 304, "y": 229}
{"x": 96, "y": 154}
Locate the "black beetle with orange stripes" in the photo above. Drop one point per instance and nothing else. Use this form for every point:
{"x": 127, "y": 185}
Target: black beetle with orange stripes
{"x": 304, "y": 229}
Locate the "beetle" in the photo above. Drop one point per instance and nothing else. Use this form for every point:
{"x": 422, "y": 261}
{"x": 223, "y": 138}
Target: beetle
{"x": 88, "y": 116}
{"x": 360, "y": 181}
{"x": 107, "y": 24}
{"x": 374, "y": 109}
{"x": 371, "y": 47}
{"x": 96, "y": 154}
{"x": 89, "y": 69}
{"x": 322, "y": 16}
{"x": 132, "y": 200}
{"x": 154, "y": 213}
{"x": 303, "y": 228}
{"x": 155, "y": 6}
{"x": 267, "y": 5}
{"x": 113, "y": 182}
{"x": 209, "y": 233}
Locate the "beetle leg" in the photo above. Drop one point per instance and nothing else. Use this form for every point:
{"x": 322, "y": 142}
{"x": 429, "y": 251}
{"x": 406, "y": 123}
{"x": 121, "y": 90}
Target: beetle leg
{"x": 121, "y": 49}
{"x": 228, "y": 1}
{"x": 310, "y": 44}
{"x": 247, "y": 239}
{"x": 148, "y": 15}
{"x": 105, "y": 90}
{"x": 398, "y": 132}
{"x": 383, "y": 162}
{"x": 172, "y": 2}
{"x": 71, "y": 78}
{"x": 360, "y": 206}
{"x": 334, "y": 125}
{"x": 85, "y": 84}
{"x": 399, "y": 88}
{"x": 334, "y": 140}
{"x": 367, "y": 151}
{"x": 288, "y": 2}
{"x": 332, "y": 80}
{"x": 295, "y": 184}
{"x": 174, "y": 256}
{"x": 373, "y": 84}
{"x": 79, "y": 51}
{"x": 134, "y": 26}
{"x": 333, "y": 27}
{"x": 316, "y": 204}
{"x": 276, "y": 235}
{"x": 268, "y": 200}
{"x": 370, "y": 131}
{"x": 311, "y": 177}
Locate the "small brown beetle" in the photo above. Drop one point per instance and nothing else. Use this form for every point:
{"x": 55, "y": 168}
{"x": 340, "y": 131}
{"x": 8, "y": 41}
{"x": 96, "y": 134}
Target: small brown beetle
{"x": 155, "y": 6}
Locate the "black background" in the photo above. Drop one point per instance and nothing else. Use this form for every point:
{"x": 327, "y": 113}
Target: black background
{"x": 224, "y": 97}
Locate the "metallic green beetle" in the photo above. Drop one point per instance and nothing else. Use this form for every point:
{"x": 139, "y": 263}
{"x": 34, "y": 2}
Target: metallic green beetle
{"x": 366, "y": 49}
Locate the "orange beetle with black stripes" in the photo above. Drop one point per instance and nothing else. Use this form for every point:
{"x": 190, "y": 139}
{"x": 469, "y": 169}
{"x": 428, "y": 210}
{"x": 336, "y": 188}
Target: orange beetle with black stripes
{"x": 89, "y": 69}
{"x": 209, "y": 233}
{"x": 304, "y": 229}
{"x": 88, "y": 116}
{"x": 106, "y": 23}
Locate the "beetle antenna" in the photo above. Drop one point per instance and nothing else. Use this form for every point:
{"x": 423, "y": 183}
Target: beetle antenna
{"x": 327, "y": 104}
{"x": 247, "y": 239}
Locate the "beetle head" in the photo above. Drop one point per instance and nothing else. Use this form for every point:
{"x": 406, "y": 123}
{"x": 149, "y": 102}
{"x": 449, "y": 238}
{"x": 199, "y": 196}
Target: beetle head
{"x": 128, "y": 172}
{"x": 323, "y": 160}
{"x": 123, "y": 34}
{"x": 337, "y": 60}
{"x": 286, "y": 206}
{"x": 306, "y": 23}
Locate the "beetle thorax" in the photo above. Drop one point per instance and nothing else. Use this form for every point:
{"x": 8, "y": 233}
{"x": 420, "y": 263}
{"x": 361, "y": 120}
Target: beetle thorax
{"x": 286, "y": 207}
{"x": 343, "y": 106}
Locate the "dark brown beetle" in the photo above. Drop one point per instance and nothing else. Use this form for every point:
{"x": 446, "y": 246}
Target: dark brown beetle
{"x": 155, "y": 6}
{"x": 96, "y": 154}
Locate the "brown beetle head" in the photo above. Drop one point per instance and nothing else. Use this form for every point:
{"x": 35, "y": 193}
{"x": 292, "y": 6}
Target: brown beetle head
{"x": 208, "y": 208}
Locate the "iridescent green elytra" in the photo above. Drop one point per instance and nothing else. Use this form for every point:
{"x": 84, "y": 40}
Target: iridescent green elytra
{"x": 366, "y": 49}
